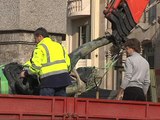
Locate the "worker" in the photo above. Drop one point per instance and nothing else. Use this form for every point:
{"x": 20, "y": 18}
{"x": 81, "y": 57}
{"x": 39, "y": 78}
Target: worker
{"x": 51, "y": 63}
{"x": 136, "y": 80}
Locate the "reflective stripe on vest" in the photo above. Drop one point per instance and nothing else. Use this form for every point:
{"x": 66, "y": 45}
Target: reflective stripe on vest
{"x": 53, "y": 73}
{"x": 35, "y": 67}
{"x": 49, "y": 63}
{"x": 47, "y": 51}
{"x": 53, "y": 63}
{"x": 48, "y": 58}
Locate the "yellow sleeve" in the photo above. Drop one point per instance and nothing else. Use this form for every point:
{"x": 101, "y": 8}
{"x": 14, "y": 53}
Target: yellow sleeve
{"x": 34, "y": 65}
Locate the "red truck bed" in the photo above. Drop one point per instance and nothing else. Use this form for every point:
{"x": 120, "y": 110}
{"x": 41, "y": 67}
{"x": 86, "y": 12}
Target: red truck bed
{"x": 14, "y": 107}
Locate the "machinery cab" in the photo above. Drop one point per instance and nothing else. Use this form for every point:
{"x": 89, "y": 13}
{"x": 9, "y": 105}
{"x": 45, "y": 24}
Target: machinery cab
{"x": 124, "y": 16}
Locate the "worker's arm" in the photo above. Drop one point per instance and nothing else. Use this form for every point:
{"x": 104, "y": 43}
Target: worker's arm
{"x": 34, "y": 65}
{"x": 127, "y": 77}
{"x": 120, "y": 94}
{"x": 128, "y": 73}
{"x": 146, "y": 82}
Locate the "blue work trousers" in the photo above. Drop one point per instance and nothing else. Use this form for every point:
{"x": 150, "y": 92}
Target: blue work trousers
{"x": 53, "y": 91}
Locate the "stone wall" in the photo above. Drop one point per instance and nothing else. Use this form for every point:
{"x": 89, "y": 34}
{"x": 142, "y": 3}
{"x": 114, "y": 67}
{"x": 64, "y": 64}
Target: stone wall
{"x": 19, "y": 19}
{"x": 16, "y": 47}
{"x": 30, "y": 14}
{"x": 9, "y": 14}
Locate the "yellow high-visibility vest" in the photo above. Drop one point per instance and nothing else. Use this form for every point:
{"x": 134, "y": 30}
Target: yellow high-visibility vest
{"x": 49, "y": 58}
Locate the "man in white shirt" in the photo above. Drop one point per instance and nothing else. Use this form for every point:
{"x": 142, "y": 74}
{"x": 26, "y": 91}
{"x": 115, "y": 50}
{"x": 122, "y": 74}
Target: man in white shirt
{"x": 137, "y": 74}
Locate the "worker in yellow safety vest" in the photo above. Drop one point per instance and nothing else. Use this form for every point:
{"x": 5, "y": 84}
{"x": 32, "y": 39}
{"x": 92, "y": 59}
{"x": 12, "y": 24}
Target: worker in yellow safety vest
{"x": 51, "y": 63}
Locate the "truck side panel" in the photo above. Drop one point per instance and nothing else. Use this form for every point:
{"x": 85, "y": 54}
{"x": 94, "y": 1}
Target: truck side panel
{"x": 14, "y": 107}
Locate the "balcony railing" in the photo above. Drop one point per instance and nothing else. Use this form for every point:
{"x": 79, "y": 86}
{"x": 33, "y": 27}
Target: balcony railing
{"x": 78, "y": 7}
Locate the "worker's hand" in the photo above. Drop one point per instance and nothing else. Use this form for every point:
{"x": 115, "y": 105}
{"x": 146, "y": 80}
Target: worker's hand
{"x": 120, "y": 94}
{"x": 22, "y": 74}
{"x": 119, "y": 97}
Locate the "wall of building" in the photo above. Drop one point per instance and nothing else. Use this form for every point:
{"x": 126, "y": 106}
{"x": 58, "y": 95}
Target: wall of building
{"x": 30, "y": 14}
{"x": 19, "y": 19}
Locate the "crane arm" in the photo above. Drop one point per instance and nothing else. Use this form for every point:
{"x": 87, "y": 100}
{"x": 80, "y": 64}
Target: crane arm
{"x": 124, "y": 15}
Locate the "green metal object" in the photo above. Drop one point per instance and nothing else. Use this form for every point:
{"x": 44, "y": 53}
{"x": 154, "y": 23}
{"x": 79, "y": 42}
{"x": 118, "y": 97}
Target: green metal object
{"x": 4, "y": 88}
{"x": 87, "y": 48}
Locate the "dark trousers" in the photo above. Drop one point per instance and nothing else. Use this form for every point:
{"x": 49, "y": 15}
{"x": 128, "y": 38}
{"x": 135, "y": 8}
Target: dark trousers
{"x": 134, "y": 93}
{"x": 53, "y": 91}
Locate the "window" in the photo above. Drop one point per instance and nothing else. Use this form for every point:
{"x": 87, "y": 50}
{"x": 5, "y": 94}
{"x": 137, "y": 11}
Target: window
{"x": 84, "y": 37}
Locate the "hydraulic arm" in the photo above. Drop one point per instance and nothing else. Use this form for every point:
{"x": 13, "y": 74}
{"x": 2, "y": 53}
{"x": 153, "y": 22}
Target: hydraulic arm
{"x": 124, "y": 16}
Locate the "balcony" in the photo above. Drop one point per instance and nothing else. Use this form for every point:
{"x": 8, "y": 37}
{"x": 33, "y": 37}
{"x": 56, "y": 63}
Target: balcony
{"x": 78, "y": 8}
